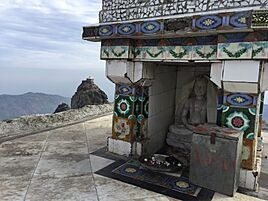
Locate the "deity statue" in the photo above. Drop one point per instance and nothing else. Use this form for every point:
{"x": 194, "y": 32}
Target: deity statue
{"x": 194, "y": 111}
{"x": 193, "y": 114}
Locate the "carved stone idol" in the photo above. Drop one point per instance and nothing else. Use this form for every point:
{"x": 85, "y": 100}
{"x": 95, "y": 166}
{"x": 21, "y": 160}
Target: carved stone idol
{"x": 194, "y": 113}
{"x": 195, "y": 109}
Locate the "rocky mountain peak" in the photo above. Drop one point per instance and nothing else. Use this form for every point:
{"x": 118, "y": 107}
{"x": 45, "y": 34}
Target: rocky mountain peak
{"x": 88, "y": 93}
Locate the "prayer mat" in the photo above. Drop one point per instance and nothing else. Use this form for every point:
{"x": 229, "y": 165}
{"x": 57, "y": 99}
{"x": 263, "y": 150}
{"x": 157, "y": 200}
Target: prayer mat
{"x": 174, "y": 186}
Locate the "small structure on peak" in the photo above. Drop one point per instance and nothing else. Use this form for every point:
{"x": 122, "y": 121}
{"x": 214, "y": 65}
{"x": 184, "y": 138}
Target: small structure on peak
{"x": 88, "y": 93}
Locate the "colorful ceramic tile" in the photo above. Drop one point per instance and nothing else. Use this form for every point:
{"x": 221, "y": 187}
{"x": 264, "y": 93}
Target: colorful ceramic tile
{"x": 208, "y": 22}
{"x": 240, "y": 119}
{"x": 123, "y": 128}
{"x": 260, "y": 50}
{"x": 234, "y": 51}
{"x": 137, "y": 52}
{"x": 126, "y": 29}
{"x": 105, "y": 52}
{"x": 240, "y": 20}
{"x": 248, "y": 154}
{"x": 119, "y": 52}
{"x": 106, "y": 30}
{"x": 153, "y": 53}
{"x": 151, "y": 27}
{"x": 178, "y": 52}
{"x": 141, "y": 108}
{"x": 124, "y": 90}
{"x": 240, "y": 100}
{"x": 124, "y": 105}
{"x": 204, "y": 52}
{"x": 260, "y": 19}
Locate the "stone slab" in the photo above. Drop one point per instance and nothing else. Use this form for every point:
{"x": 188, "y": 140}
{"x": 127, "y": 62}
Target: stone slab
{"x": 71, "y": 188}
{"x": 62, "y": 165}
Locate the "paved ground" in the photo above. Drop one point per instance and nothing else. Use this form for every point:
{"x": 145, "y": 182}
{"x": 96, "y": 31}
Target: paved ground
{"x": 57, "y": 165}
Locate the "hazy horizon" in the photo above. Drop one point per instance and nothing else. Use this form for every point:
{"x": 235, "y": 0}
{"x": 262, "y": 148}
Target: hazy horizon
{"x": 42, "y": 48}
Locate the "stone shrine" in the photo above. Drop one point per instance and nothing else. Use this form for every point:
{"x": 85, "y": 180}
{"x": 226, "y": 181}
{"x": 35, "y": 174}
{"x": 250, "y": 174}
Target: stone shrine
{"x": 154, "y": 50}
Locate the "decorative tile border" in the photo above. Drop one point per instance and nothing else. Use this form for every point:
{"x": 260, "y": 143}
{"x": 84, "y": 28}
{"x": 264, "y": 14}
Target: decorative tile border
{"x": 235, "y": 50}
{"x": 260, "y": 50}
{"x": 222, "y": 51}
{"x": 259, "y": 19}
{"x": 240, "y": 100}
{"x": 212, "y": 23}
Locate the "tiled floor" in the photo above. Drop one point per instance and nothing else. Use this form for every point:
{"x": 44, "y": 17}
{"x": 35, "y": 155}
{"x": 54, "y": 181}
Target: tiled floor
{"x": 57, "y": 165}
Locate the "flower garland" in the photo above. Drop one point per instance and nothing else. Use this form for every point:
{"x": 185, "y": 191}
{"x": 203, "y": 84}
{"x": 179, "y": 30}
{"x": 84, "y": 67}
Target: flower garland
{"x": 118, "y": 54}
{"x": 178, "y": 55}
{"x": 208, "y": 55}
{"x": 237, "y": 54}
{"x": 154, "y": 55}
{"x": 257, "y": 51}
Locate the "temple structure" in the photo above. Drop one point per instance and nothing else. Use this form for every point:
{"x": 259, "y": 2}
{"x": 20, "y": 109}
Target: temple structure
{"x": 156, "y": 49}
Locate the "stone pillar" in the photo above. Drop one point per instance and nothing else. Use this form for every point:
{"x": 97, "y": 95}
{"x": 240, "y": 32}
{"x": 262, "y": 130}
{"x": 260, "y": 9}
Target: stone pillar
{"x": 130, "y": 112}
{"x": 131, "y": 105}
{"x": 239, "y": 107}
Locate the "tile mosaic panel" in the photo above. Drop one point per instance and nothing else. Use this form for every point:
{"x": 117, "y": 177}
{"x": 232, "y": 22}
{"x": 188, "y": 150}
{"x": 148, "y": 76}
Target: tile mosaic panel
{"x": 260, "y": 19}
{"x": 204, "y": 52}
{"x": 240, "y": 100}
{"x": 240, "y": 119}
{"x": 122, "y": 10}
{"x": 178, "y": 52}
{"x": 240, "y": 20}
{"x": 152, "y": 53}
{"x": 260, "y": 50}
{"x": 123, "y": 128}
{"x": 248, "y": 154}
{"x": 198, "y": 48}
{"x": 124, "y": 90}
{"x": 130, "y": 112}
{"x": 105, "y": 52}
{"x": 119, "y": 52}
{"x": 234, "y": 50}
{"x": 124, "y": 105}
{"x": 205, "y": 23}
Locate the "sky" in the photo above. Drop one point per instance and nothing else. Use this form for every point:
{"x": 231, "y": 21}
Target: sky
{"x": 41, "y": 47}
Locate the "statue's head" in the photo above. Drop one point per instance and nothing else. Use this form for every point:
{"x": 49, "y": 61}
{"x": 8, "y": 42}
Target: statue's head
{"x": 200, "y": 86}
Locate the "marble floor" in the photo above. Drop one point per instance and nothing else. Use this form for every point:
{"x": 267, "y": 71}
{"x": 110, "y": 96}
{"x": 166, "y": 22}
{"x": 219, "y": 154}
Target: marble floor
{"x": 57, "y": 165}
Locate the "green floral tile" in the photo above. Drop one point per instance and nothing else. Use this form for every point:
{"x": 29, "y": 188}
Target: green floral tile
{"x": 137, "y": 52}
{"x": 124, "y": 106}
{"x": 204, "y": 52}
{"x": 260, "y": 50}
{"x": 178, "y": 52}
{"x": 153, "y": 53}
{"x": 119, "y": 52}
{"x": 240, "y": 119}
{"x": 235, "y": 50}
{"x": 105, "y": 52}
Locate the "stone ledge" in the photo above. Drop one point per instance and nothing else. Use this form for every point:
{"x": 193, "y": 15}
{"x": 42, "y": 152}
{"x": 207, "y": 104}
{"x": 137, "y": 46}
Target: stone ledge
{"x": 28, "y": 125}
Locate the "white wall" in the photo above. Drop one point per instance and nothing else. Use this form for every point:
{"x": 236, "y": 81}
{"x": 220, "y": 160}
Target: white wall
{"x": 161, "y": 106}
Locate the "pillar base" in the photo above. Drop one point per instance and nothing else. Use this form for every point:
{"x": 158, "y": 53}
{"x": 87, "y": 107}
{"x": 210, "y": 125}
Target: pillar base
{"x": 124, "y": 148}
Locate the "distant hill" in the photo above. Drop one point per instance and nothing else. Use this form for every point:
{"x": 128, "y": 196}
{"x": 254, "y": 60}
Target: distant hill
{"x": 12, "y": 106}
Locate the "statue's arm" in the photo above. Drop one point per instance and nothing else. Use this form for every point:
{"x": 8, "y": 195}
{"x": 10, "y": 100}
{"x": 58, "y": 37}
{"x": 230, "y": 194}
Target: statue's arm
{"x": 185, "y": 111}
